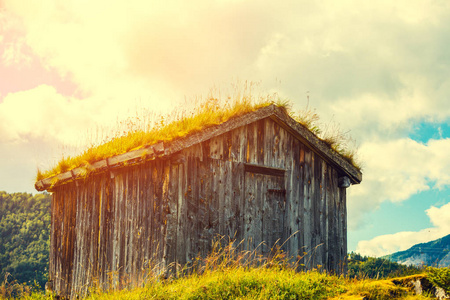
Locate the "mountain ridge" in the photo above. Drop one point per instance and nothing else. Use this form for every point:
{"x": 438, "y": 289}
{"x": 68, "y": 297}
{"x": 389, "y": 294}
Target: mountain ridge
{"x": 435, "y": 253}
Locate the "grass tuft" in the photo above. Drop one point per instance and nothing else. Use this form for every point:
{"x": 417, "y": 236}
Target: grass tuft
{"x": 138, "y": 132}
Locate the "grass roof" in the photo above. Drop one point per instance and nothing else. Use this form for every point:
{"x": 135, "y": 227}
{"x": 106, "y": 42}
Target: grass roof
{"x": 205, "y": 114}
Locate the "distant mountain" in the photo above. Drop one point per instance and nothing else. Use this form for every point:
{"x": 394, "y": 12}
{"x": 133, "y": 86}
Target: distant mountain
{"x": 435, "y": 253}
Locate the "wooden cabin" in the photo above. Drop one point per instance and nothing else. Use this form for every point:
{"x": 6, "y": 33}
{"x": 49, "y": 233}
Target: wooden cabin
{"x": 259, "y": 177}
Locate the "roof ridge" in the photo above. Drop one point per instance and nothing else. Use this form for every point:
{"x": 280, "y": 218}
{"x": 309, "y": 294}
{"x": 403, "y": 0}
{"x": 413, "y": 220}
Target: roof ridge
{"x": 161, "y": 149}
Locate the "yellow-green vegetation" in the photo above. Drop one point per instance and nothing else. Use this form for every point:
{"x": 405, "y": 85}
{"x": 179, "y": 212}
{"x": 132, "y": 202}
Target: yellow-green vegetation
{"x": 24, "y": 240}
{"x": 228, "y": 273}
{"x": 206, "y": 113}
{"x": 255, "y": 283}
{"x": 371, "y": 267}
{"x": 440, "y": 277}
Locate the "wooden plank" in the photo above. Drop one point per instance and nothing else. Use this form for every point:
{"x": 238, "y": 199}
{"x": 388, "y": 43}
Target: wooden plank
{"x": 324, "y": 212}
{"x": 90, "y": 241}
{"x": 153, "y": 222}
{"x": 57, "y": 251}
{"x": 205, "y": 199}
{"x": 316, "y": 242}
{"x": 164, "y": 213}
{"x": 79, "y": 269}
{"x": 116, "y": 231}
{"x": 192, "y": 210}
{"x": 259, "y": 202}
{"x": 342, "y": 211}
{"x": 291, "y": 208}
{"x": 81, "y": 249}
{"x": 279, "y": 219}
{"x": 269, "y": 143}
{"x": 238, "y": 144}
{"x": 220, "y": 187}
{"x": 160, "y": 226}
{"x": 214, "y": 204}
{"x": 248, "y": 206}
{"x": 252, "y": 145}
{"x": 264, "y": 170}
{"x": 301, "y": 205}
{"x": 153, "y": 185}
{"x": 53, "y": 235}
{"x": 308, "y": 213}
{"x": 182, "y": 214}
{"x": 130, "y": 230}
{"x": 216, "y": 147}
{"x": 228, "y": 205}
{"x": 260, "y": 142}
{"x": 114, "y": 161}
{"x": 122, "y": 232}
{"x": 267, "y": 208}
{"x": 103, "y": 232}
{"x": 333, "y": 224}
{"x": 226, "y": 139}
{"x": 236, "y": 179}
{"x": 138, "y": 258}
{"x": 172, "y": 219}
{"x": 145, "y": 201}
{"x": 109, "y": 248}
{"x": 278, "y": 145}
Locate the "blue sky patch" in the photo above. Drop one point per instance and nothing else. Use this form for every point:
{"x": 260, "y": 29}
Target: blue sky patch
{"x": 422, "y": 132}
{"x": 391, "y": 217}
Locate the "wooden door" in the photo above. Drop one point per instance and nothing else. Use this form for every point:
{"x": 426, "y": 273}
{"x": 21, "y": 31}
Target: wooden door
{"x": 264, "y": 207}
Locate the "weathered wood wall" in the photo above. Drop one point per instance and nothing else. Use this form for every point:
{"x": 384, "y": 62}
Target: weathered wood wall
{"x": 257, "y": 183}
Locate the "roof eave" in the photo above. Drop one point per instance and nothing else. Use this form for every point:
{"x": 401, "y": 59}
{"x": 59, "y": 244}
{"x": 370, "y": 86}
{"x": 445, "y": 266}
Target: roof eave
{"x": 150, "y": 152}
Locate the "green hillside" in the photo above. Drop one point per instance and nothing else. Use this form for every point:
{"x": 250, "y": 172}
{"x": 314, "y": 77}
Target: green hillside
{"x": 24, "y": 237}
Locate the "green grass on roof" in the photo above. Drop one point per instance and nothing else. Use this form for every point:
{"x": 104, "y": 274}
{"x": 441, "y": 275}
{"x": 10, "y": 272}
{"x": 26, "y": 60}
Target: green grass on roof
{"x": 206, "y": 114}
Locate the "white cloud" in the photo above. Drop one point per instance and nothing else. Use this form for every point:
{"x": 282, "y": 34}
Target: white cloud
{"x": 440, "y": 217}
{"x": 374, "y": 67}
{"x": 338, "y": 51}
{"x": 395, "y": 170}
{"x": 390, "y": 243}
{"x": 42, "y": 112}
{"x": 13, "y": 53}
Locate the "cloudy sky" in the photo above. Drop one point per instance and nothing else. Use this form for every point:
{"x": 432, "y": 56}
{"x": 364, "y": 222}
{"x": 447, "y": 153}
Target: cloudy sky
{"x": 379, "y": 69}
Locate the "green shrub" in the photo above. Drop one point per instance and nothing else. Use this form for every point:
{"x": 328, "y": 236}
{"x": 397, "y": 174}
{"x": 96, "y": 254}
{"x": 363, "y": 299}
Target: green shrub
{"x": 439, "y": 277}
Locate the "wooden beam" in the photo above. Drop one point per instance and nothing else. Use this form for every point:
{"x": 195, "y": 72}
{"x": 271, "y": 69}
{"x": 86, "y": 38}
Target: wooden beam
{"x": 317, "y": 145}
{"x": 258, "y": 169}
{"x": 102, "y": 165}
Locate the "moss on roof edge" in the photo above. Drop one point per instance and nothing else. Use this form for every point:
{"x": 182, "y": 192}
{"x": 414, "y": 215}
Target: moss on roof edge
{"x": 63, "y": 166}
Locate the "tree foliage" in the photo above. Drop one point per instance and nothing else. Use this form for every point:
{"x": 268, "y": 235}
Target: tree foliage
{"x": 24, "y": 237}
{"x": 370, "y": 267}
{"x": 440, "y": 277}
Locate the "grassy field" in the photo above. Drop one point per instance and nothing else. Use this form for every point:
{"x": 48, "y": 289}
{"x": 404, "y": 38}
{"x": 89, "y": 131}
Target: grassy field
{"x": 230, "y": 274}
{"x": 257, "y": 283}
